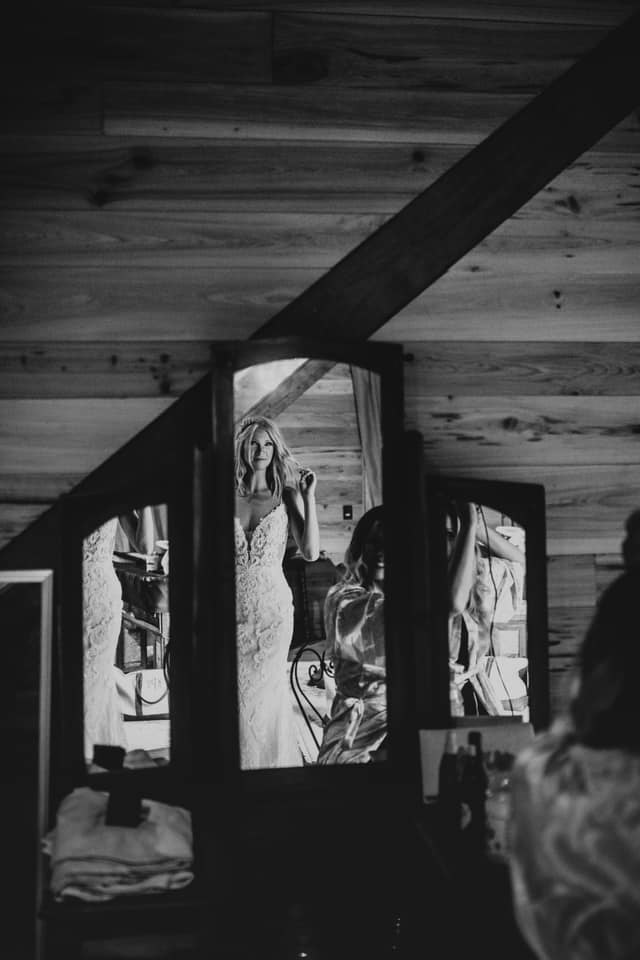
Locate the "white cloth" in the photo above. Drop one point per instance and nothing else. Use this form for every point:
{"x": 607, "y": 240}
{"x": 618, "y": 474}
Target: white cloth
{"x": 264, "y": 619}
{"x": 102, "y": 615}
{"x": 95, "y": 862}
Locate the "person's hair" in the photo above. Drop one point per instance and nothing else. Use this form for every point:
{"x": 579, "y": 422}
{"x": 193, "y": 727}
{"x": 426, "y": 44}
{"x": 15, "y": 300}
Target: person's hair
{"x": 631, "y": 542}
{"x": 606, "y": 707}
{"x": 284, "y": 469}
{"x": 356, "y": 569}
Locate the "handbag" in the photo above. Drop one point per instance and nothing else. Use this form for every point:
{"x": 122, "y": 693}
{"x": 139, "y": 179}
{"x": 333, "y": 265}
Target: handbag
{"x": 144, "y": 695}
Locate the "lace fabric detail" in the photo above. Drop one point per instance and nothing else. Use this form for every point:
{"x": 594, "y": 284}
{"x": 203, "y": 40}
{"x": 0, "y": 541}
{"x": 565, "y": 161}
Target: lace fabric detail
{"x": 264, "y": 617}
{"x": 102, "y": 612}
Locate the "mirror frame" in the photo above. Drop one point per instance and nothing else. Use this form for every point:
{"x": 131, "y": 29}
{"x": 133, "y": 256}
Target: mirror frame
{"x": 45, "y": 579}
{"x": 163, "y": 461}
{"x": 403, "y": 765}
{"x": 525, "y": 503}
{"x": 81, "y": 514}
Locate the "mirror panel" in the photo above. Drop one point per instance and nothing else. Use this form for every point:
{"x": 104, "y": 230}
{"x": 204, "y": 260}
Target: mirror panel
{"x": 487, "y": 623}
{"x": 126, "y": 634}
{"x": 310, "y": 626}
{"x": 487, "y": 558}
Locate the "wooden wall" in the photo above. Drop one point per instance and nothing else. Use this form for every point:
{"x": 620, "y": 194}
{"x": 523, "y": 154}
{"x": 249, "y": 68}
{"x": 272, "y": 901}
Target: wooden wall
{"x": 172, "y": 174}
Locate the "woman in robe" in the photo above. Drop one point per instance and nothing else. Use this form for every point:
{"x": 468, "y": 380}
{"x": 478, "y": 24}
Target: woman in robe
{"x": 486, "y": 584}
{"x": 575, "y": 802}
{"x": 354, "y": 624}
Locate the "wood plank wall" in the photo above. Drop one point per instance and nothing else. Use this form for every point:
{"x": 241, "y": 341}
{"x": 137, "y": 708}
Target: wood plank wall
{"x": 175, "y": 173}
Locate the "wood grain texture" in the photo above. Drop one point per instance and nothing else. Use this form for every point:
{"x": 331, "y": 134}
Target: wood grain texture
{"x": 438, "y": 54}
{"x": 390, "y": 269}
{"x": 552, "y": 306}
{"x": 138, "y": 304}
{"x": 304, "y": 113}
{"x": 538, "y": 243}
{"x": 70, "y": 173}
{"x": 136, "y": 175}
{"x": 567, "y": 627}
{"x": 574, "y": 431}
{"x": 120, "y": 237}
{"x": 51, "y": 436}
{"x": 47, "y": 436}
{"x": 564, "y": 11}
{"x": 14, "y": 517}
{"x": 38, "y": 105}
{"x": 534, "y": 368}
{"x": 102, "y": 41}
{"x": 608, "y": 567}
{"x": 101, "y": 369}
{"x": 35, "y": 488}
{"x": 198, "y": 303}
{"x": 571, "y": 581}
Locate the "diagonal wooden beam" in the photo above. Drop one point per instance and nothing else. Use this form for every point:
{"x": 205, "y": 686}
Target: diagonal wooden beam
{"x": 420, "y": 243}
{"x": 289, "y": 389}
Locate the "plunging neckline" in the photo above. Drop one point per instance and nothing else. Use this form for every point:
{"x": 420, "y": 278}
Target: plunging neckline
{"x": 250, "y": 534}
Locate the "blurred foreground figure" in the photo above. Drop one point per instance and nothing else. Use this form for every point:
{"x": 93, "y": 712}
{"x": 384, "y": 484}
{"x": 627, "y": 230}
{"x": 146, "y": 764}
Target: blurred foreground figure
{"x": 575, "y": 815}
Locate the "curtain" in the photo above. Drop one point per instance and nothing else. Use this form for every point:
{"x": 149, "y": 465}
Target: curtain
{"x": 366, "y": 392}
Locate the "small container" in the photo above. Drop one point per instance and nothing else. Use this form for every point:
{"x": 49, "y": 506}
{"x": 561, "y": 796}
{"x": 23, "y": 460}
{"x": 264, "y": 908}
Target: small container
{"x": 162, "y": 547}
{"x": 153, "y": 562}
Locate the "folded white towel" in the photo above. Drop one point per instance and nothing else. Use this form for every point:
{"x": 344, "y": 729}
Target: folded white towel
{"x": 93, "y": 861}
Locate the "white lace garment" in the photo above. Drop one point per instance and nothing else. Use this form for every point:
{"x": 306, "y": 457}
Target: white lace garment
{"x": 102, "y": 613}
{"x": 264, "y": 616}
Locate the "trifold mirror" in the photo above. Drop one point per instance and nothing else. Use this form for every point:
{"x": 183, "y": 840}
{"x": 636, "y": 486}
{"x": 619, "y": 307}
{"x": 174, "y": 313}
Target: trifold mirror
{"x": 233, "y": 605}
{"x": 238, "y": 597}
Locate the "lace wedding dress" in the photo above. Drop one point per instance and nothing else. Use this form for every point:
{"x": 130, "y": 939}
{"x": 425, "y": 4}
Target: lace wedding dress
{"x": 102, "y": 612}
{"x": 264, "y": 616}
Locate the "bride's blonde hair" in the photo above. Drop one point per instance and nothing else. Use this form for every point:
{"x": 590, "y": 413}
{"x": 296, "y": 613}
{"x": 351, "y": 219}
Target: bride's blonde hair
{"x": 284, "y": 469}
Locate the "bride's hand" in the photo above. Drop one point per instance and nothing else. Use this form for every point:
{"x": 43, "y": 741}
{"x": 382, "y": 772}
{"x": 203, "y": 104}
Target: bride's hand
{"x": 307, "y": 482}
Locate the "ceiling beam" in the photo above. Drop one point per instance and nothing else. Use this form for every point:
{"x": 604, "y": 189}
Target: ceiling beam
{"x": 421, "y": 242}
{"x": 289, "y": 389}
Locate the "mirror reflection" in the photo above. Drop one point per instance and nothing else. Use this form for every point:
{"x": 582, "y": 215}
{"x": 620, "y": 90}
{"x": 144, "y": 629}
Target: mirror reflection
{"x": 488, "y": 661}
{"x": 309, "y": 565}
{"x": 126, "y": 632}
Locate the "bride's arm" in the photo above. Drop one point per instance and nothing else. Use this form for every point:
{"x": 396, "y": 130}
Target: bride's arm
{"x": 303, "y": 519}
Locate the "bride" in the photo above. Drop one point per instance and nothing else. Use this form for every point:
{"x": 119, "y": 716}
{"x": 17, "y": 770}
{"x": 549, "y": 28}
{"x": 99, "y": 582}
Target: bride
{"x": 274, "y": 496}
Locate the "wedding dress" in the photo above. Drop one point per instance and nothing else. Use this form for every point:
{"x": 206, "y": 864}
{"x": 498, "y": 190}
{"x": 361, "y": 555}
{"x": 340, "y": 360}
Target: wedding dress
{"x": 264, "y": 617}
{"x": 102, "y": 612}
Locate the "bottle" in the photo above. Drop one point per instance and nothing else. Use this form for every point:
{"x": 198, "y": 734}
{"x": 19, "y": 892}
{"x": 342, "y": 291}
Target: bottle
{"x": 498, "y": 804}
{"x": 473, "y": 789}
{"x": 449, "y": 801}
